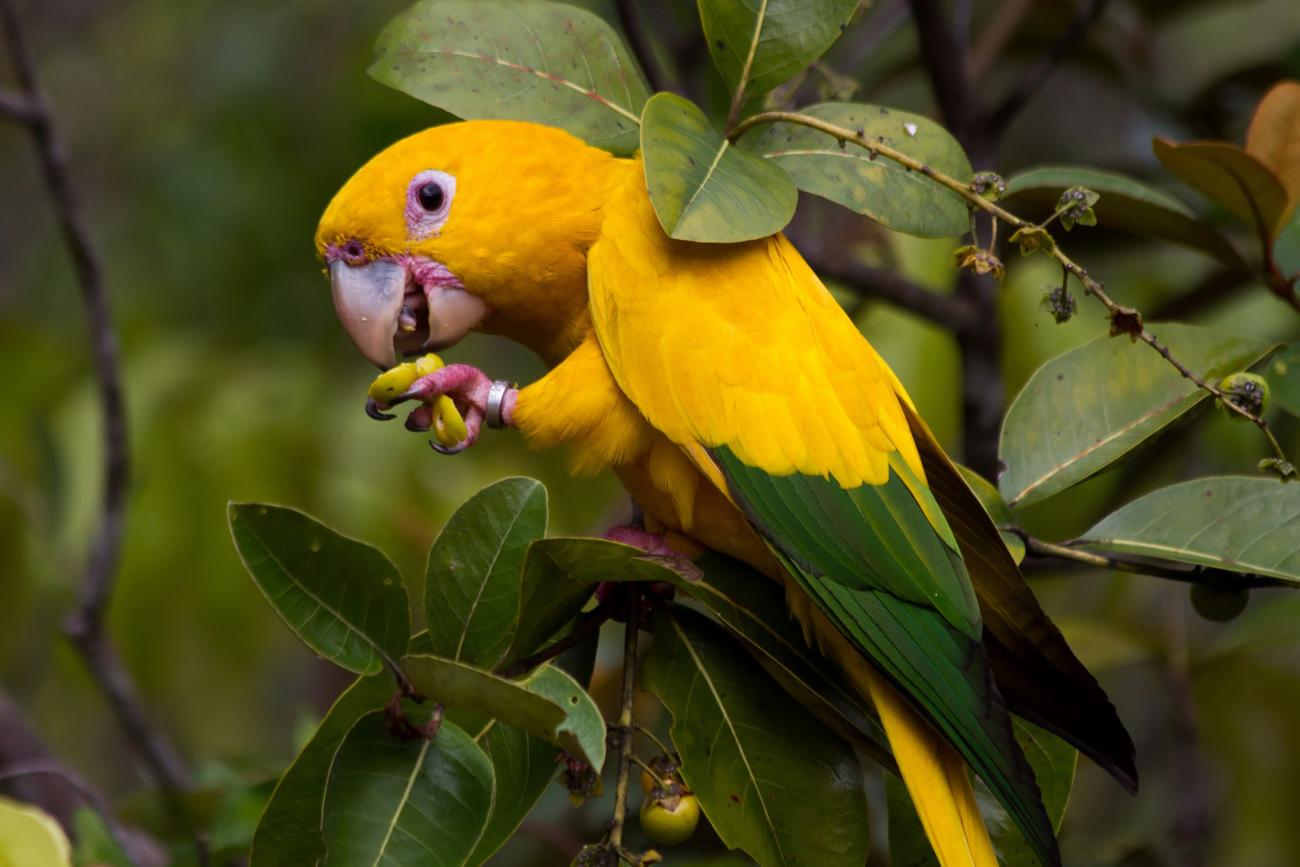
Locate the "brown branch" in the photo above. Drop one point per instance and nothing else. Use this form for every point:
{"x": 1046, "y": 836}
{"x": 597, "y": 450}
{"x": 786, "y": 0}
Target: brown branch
{"x": 585, "y": 626}
{"x": 944, "y": 57}
{"x": 15, "y": 108}
{"x": 953, "y": 312}
{"x": 85, "y": 625}
{"x": 639, "y": 40}
{"x": 1018, "y": 97}
{"x": 630, "y": 636}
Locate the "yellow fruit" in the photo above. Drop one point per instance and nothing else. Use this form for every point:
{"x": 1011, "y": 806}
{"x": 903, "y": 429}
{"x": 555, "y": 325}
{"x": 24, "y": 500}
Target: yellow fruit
{"x": 670, "y": 820}
{"x": 1248, "y": 391}
{"x": 448, "y": 426}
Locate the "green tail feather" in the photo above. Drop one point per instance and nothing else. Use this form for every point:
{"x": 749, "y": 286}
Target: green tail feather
{"x": 893, "y": 582}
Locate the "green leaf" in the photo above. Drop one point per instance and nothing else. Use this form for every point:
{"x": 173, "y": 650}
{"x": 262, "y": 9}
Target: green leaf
{"x": 1126, "y": 204}
{"x": 754, "y": 608}
{"x": 772, "y": 780}
{"x": 875, "y": 186}
{"x": 343, "y": 598}
{"x": 289, "y": 830}
{"x": 547, "y": 703}
{"x": 702, "y": 187}
{"x": 1226, "y": 174}
{"x": 1283, "y": 375}
{"x": 560, "y": 575}
{"x": 393, "y": 801}
{"x": 993, "y": 503}
{"x": 758, "y": 44}
{"x": 29, "y": 836}
{"x": 1238, "y": 523}
{"x": 1086, "y": 409}
{"x": 95, "y": 844}
{"x": 471, "y": 590}
{"x": 528, "y": 60}
{"x": 1054, "y": 763}
{"x": 523, "y": 767}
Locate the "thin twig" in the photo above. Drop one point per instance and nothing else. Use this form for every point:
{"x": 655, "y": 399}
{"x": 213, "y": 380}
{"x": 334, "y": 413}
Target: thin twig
{"x": 630, "y": 636}
{"x": 1137, "y": 331}
{"x": 1037, "y": 74}
{"x": 585, "y": 626}
{"x": 1170, "y": 570}
{"x": 85, "y": 625}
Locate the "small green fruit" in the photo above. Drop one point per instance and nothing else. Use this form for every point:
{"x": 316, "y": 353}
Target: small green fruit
{"x": 1248, "y": 391}
{"x": 1218, "y": 604}
{"x": 670, "y": 820}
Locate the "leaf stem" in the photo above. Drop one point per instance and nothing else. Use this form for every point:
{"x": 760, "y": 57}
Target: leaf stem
{"x": 1208, "y": 575}
{"x": 1091, "y": 286}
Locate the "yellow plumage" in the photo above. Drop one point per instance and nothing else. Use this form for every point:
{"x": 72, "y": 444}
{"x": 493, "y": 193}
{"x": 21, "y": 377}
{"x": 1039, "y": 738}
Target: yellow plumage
{"x": 660, "y": 350}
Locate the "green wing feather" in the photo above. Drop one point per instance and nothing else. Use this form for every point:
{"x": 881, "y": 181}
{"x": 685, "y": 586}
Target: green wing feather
{"x": 1038, "y": 675}
{"x": 893, "y": 582}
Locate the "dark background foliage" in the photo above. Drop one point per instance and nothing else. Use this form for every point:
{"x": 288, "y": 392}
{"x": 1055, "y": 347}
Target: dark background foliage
{"x": 206, "y": 137}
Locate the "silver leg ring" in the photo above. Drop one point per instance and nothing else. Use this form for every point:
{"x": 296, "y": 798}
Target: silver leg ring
{"x": 496, "y": 397}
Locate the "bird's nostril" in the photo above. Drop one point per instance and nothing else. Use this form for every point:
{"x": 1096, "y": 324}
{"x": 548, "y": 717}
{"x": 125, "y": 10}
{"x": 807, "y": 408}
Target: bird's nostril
{"x": 353, "y": 252}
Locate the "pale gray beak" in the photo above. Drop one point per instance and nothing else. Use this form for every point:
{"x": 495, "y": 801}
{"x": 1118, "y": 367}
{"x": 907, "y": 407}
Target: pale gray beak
{"x": 368, "y": 300}
{"x": 383, "y": 319}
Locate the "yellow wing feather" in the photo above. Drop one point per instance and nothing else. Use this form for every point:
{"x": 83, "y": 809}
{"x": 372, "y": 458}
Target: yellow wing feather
{"x": 741, "y": 345}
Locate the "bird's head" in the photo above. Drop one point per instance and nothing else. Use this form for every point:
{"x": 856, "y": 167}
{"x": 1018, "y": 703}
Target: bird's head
{"x": 475, "y": 225}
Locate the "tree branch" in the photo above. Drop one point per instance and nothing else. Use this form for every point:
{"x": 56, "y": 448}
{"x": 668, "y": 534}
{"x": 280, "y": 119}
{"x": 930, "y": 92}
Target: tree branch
{"x": 953, "y": 312}
{"x": 1020, "y": 94}
{"x": 630, "y": 636}
{"x": 85, "y": 625}
{"x": 944, "y": 57}
{"x": 14, "y": 108}
{"x": 639, "y": 39}
{"x": 585, "y": 626}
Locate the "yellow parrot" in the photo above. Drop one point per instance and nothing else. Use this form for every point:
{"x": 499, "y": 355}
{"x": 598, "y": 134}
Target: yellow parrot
{"x": 744, "y": 413}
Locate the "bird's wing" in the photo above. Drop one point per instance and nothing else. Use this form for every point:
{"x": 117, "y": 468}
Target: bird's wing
{"x": 1036, "y": 671}
{"x": 741, "y": 349}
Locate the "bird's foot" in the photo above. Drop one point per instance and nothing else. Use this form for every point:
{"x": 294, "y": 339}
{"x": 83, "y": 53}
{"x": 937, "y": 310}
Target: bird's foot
{"x": 477, "y": 398}
{"x": 659, "y": 549}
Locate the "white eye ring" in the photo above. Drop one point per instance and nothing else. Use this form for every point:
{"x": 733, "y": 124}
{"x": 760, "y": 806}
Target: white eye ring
{"x": 428, "y": 202}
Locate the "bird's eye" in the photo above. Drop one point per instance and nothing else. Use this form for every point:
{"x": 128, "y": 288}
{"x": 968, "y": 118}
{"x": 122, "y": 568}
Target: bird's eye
{"x": 428, "y": 202}
{"x": 431, "y": 196}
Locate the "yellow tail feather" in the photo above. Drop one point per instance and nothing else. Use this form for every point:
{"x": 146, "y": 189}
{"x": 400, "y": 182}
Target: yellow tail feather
{"x": 935, "y": 776}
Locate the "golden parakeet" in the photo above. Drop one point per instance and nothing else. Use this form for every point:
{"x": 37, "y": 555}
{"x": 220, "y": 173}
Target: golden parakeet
{"x": 745, "y": 413}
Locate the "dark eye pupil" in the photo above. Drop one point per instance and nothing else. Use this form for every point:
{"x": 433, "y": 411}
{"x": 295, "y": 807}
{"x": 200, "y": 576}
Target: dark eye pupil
{"x": 430, "y": 196}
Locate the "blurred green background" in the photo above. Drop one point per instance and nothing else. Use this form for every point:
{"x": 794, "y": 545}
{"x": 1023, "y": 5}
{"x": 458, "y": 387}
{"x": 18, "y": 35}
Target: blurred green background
{"x": 206, "y": 137}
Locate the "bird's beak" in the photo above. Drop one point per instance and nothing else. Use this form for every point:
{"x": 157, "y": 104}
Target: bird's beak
{"x": 386, "y": 312}
{"x": 368, "y": 301}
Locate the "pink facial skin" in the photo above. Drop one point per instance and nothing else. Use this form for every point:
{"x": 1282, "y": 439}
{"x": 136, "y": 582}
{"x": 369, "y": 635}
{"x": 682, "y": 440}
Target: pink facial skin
{"x": 428, "y": 273}
{"x": 421, "y": 222}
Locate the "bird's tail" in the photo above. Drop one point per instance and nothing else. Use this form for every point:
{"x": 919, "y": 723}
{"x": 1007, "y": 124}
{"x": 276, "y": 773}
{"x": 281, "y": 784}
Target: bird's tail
{"x": 933, "y": 771}
{"x": 935, "y": 775}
